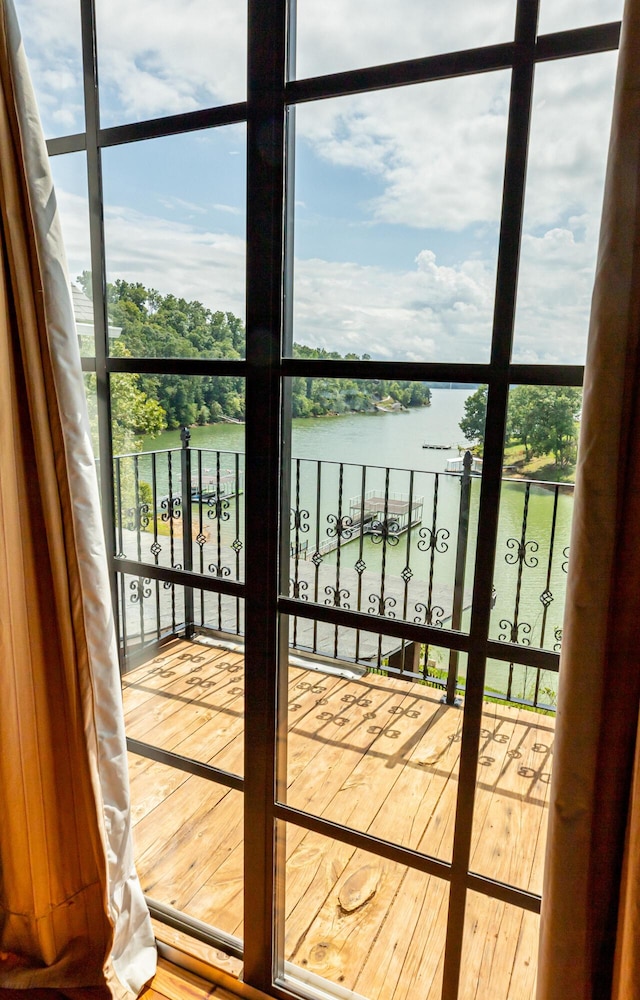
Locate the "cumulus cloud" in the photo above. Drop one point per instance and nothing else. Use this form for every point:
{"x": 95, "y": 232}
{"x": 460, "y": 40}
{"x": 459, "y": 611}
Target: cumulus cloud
{"x": 428, "y": 313}
{"x": 436, "y": 149}
{"x": 171, "y": 256}
{"x": 155, "y": 57}
{"x": 347, "y": 34}
{"x": 51, "y": 37}
{"x": 554, "y": 295}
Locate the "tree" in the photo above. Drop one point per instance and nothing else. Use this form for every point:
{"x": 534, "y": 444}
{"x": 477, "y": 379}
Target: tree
{"x": 475, "y": 415}
{"x": 522, "y": 415}
{"x": 134, "y": 414}
{"x": 555, "y": 427}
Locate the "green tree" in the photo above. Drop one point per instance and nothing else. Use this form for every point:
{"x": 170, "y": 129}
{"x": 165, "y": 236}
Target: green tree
{"x": 555, "y": 428}
{"x": 475, "y": 415}
{"x": 134, "y": 414}
{"x": 522, "y": 415}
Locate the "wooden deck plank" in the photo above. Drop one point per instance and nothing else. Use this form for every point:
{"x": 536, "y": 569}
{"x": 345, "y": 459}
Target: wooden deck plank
{"x": 171, "y": 983}
{"x": 404, "y": 961}
{"x": 510, "y": 813}
{"x": 219, "y": 900}
{"x": 336, "y": 942}
{"x": 499, "y": 951}
{"x": 416, "y": 813}
{"x": 193, "y": 695}
{"x": 379, "y": 754}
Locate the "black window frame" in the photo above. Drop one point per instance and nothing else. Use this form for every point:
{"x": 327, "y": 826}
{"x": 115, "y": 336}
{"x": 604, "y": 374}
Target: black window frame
{"x": 266, "y": 370}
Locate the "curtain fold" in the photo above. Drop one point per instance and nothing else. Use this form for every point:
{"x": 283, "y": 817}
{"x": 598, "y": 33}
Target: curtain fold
{"x": 591, "y": 891}
{"x": 72, "y": 913}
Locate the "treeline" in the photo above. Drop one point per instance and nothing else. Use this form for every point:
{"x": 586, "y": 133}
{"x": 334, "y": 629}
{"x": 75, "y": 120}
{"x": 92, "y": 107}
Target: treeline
{"x": 164, "y": 326}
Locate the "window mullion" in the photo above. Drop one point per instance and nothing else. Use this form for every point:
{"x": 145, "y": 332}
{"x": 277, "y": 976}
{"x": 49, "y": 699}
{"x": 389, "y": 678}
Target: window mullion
{"x": 98, "y": 272}
{"x": 502, "y": 340}
{"x": 265, "y": 185}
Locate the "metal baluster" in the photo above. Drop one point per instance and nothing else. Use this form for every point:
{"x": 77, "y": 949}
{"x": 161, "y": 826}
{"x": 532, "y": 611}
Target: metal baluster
{"x": 316, "y": 558}
{"x": 360, "y": 565}
{"x": 156, "y": 548}
{"x": 200, "y": 537}
{"x": 458, "y": 587}
{"x": 523, "y": 558}
{"x": 187, "y": 527}
{"x": 237, "y": 542}
{"x": 118, "y": 505}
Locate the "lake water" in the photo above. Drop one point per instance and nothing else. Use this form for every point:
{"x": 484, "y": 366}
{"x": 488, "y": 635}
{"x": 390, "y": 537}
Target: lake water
{"x": 395, "y": 441}
{"x": 387, "y": 439}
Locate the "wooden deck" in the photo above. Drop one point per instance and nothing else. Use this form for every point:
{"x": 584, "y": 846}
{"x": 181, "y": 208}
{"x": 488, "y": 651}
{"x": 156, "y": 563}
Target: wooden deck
{"x": 377, "y": 754}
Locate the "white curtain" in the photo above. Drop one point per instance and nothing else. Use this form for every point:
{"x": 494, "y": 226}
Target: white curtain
{"x": 72, "y": 912}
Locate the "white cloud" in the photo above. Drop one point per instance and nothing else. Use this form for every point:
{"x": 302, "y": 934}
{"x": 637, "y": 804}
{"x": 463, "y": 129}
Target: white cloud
{"x": 569, "y": 139}
{"x": 563, "y": 14}
{"x": 172, "y": 257}
{"x": 166, "y": 57}
{"x": 346, "y": 34}
{"x": 428, "y": 313}
{"x": 554, "y": 295}
{"x": 436, "y": 149}
{"x": 435, "y": 153}
{"x": 176, "y": 257}
{"x": 51, "y": 36}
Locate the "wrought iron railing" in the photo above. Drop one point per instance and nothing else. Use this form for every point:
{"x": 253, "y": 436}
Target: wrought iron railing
{"x": 395, "y": 544}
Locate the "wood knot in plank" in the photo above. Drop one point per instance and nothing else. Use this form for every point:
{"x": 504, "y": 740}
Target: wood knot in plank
{"x": 358, "y": 888}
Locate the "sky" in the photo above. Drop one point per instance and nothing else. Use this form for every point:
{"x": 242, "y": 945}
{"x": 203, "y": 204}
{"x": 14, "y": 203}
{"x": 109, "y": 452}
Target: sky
{"x": 397, "y": 194}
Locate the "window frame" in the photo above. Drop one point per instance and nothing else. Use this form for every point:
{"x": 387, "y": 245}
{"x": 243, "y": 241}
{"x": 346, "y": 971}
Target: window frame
{"x": 271, "y": 92}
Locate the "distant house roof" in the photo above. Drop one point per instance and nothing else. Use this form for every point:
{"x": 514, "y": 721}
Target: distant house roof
{"x": 83, "y": 312}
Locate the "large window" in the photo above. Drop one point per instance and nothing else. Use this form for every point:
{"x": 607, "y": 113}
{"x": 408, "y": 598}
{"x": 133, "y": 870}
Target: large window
{"x": 299, "y": 289}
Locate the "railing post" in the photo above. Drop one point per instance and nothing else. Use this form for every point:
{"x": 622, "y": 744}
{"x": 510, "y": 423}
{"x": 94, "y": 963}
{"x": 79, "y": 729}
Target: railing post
{"x": 187, "y": 532}
{"x": 458, "y": 586}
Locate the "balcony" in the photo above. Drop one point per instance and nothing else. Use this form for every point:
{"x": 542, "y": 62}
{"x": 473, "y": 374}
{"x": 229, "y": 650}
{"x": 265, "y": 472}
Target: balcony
{"x": 373, "y": 722}
{"x": 378, "y": 753}
{"x": 395, "y": 544}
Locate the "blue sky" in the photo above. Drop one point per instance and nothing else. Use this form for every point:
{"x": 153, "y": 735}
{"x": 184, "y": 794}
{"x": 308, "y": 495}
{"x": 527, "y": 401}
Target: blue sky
{"x": 397, "y": 194}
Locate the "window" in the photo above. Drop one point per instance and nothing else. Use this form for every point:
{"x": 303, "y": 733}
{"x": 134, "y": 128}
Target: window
{"x": 339, "y": 656}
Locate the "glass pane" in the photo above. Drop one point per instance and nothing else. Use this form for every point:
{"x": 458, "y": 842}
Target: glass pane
{"x": 375, "y": 749}
{"x": 175, "y": 244}
{"x": 189, "y": 698}
{"x": 151, "y": 610}
{"x": 397, "y": 205}
{"x": 347, "y": 34}
{"x": 198, "y": 949}
{"x": 500, "y": 951}
{"x": 91, "y": 394}
{"x": 560, "y": 15}
{"x": 356, "y": 922}
{"x": 565, "y": 181}
{"x": 536, "y": 508}
{"x": 174, "y": 814}
{"x": 170, "y": 58}
{"x": 397, "y": 539}
{"x": 511, "y": 807}
{"x": 155, "y": 474}
{"x": 52, "y": 41}
{"x": 69, "y": 173}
